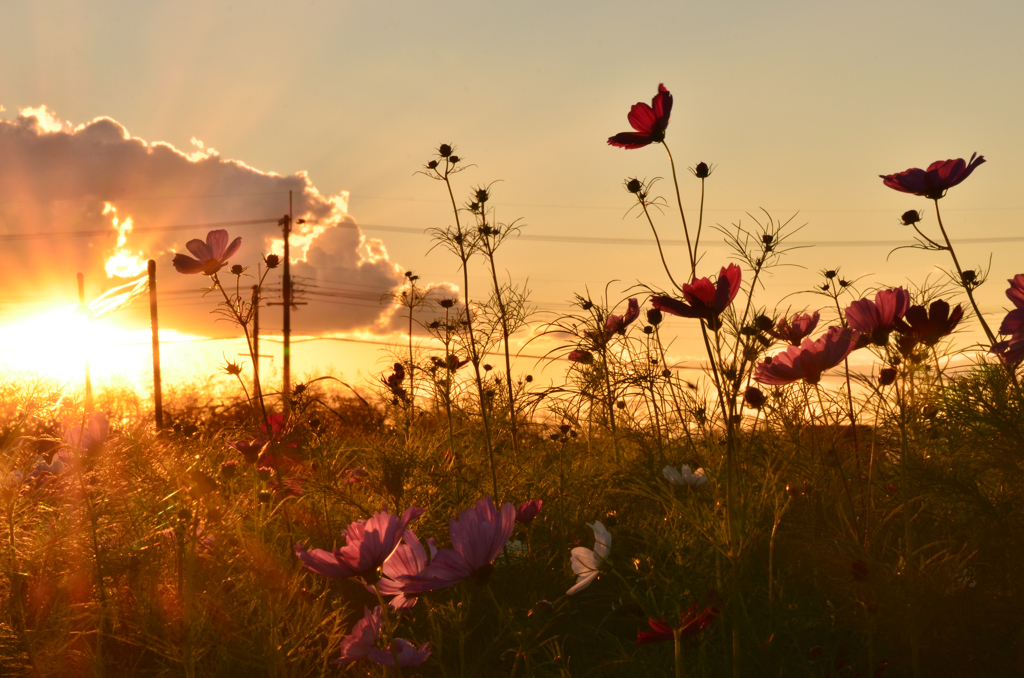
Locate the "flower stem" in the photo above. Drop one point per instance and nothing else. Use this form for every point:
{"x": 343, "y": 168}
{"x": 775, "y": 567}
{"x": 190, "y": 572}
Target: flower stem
{"x": 963, "y": 283}
{"x": 679, "y": 200}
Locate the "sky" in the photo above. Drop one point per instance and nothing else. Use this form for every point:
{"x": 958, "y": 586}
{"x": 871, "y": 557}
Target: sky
{"x": 798, "y": 105}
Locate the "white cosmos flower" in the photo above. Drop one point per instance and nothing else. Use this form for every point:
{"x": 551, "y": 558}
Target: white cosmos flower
{"x": 684, "y": 476}
{"x": 586, "y": 563}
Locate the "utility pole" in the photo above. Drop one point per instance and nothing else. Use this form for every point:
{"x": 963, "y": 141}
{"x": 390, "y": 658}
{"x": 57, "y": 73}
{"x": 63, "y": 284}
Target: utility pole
{"x": 158, "y": 398}
{"x": 88, "y": 373}
{"x": 286, "y": 301}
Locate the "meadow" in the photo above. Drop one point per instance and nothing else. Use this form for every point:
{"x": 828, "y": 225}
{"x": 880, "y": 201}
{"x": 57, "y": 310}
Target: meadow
{"x": 776, "y": 514}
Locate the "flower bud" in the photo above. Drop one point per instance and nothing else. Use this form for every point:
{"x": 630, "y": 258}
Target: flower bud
{"x": 702, "y": 171}
{"x": 444, "y": 150}
{"x": 237, "y": 269}
{"x": 886, "y": 376}
{"x": 910, "y": 217}
{"x": 453, "y": 159}
{"x": 432, "y": 164}
{"x": 272, "y": 260}
{"x": 634, "y": 186}
{"x": 229, "y": 469}
{"x": 654, "y": 316}
{"x": 264, "y": 473}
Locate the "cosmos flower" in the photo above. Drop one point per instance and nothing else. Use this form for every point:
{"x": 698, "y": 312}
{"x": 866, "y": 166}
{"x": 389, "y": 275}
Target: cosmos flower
{"x": 407, "y": 653}
{"x": 927, "y": 326}
{"x": 695, "y": 619}
{"x": 649, "y": 122}
{"x": 1011, "y": 350}
{"x": 796, "y": 329}
{"x": 250, "y": 450}
{"x": 368, "y": 543}
{"x": 617, "y": 324}
{"x": 704, "y": 299}
{"x": 363, "y": 637}
{"x": 877, "y": 319}
{"x": 211, "y": 256}
{"x": 408, "y": 560}
{"x": 933, "y": 182}
{"x": 477, "y": 537}
{"x": 684, "y": 476}
{"x": 527, "y": 511}
{"x": 808, "y": 360}
{"x": 90, "y": 435}
{"x": 586, "y": 563}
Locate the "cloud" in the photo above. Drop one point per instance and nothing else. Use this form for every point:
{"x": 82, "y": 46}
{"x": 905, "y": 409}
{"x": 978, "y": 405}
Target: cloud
{"x": 84, "y": 183}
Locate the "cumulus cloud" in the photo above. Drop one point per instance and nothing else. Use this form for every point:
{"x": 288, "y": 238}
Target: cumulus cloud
{"x": 67, "y": 193}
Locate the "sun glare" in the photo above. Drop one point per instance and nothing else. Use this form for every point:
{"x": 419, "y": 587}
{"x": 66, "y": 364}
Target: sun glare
{"x": 123, "y": 263}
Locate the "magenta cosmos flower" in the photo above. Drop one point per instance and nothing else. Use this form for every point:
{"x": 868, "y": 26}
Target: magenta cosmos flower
{"x": 704, "y": 299}
{"x": 581, "y": 356}
{"x": 408, "y": 560}
{"x": 927, "y": 326}
{"x": 361, "y": 643}
{"x": 649, "y": 122}
{"x": 877, "y": 319}
{"x": 477, "y": 536}
{"x": 794, "y": 331}
{"x": 808, "y": 360}
{"x": 617, "y": 324}
{"x": 695, "y": 619}
{"x": 933, "y": 182}
{"x": 527, "y": 511}
{"x": 1011, "y": 351}
{"x": 368, "y": 543}
{"x": 407, "y": 653}
{"x": 211, "y": 256}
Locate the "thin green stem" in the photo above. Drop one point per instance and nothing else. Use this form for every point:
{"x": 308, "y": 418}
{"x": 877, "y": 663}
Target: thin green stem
{"x": 682, "y": 214}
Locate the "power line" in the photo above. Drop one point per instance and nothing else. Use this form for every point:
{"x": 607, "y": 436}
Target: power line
{"x": 12, "y": 237}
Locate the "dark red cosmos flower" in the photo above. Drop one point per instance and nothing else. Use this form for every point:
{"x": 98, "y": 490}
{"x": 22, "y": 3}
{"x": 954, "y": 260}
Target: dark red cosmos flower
{"x": 877, "y": 319}
{"x": 703, "y": 298}
{"x": 617, "y": 324}
{"x": 795, "y": 330}
{"x": 648, "y": 121}
{"x": 808, "y": 360}
{"x": 933, "y": 182}
{"x": 527, "y": 511}
{"x": 927, "y": 326}
{"x": 695, "y": 619}
{"x": 579, "y": 356}
{"x": 1011, "y": 350}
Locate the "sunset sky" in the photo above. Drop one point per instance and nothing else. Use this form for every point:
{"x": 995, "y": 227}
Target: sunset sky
{"x": 799, "y": 106}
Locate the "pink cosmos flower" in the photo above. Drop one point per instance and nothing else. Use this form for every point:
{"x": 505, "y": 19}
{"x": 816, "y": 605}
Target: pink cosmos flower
{"x": 704, "y": 299}
{"x": 90, "y": 435}
{"x": 649, "y": 122}
{"x": 408, "y": 560}
{"x": 795, "y": 330}
{"x": 1011, "y": 351}
{"x": 363, "y": 637}
{"x": 368, "y": 543}
{"x": 695, "y": 619}
{"x": 211, "y": 256}
{"x": 877, "y": 319}
{"x": 927, "y": 326}
{"x": 617, "y": 324}
{"x": 586, "y": 563}
{"x": 477, "y": 536}
{"x": 527, "y": 511}
{"x": 808, "y": 360}
{"x": 933, "y": 182}
{"x": 408, "y": 654}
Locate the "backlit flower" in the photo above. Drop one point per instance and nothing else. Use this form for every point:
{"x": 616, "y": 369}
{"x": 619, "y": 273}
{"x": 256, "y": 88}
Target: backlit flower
{"x": 877, "y": 319}
{"x": 695, "y": 619}
{"x": 368, "y": 543}
{"x": 211, "y": 256}
{"x": 617, "y": 324}
{"x": 407, "y": 653}
{"x": 1011, "y": 351}
{"x": 250, "y": 450}
{"x": 527, "y": 511}
{"x": 363, "y": 637}
{"x": 408, "y": 560}
{"x": 796, "y": 329}
{"x": 927, "y": 326}
{"x": 477, "y": 537}
{"x": 933, "y": 182}
{"x": 580, "y": 356}
{"x": 808, "y": 360}
{"x": 649, "y": 122}
{"x": 90, "y": 435}
{"x": 586, "y": 563}
{"x": 704, "y": 299}
{"x": 684, "y": 476}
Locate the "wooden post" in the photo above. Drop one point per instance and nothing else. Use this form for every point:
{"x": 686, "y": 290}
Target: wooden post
{"x": 158, "y": 397}
{"x": 256, "y": 341}
{"x": 88, "y": 373}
